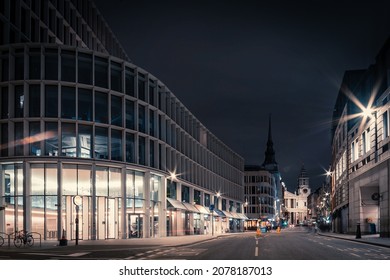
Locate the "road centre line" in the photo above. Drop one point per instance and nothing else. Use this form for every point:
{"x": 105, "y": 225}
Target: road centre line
{"x": 256, "y": 251}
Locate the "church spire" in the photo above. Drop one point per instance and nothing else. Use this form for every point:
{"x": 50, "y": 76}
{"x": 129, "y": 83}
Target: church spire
{"x": 270, "y": 153}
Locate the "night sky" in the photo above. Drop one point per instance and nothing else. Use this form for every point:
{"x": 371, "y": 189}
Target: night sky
{"x": 232, "y": 63}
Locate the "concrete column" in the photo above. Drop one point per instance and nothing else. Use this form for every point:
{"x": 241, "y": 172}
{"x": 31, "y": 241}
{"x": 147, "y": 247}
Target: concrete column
{"x": 123, "y": 223}
{"x": 2, "y": 200}
{"x": 162, "y": 211}
{"x": 27, "y": 213}
{"x": 93, "y": 205}
{"x": 60, "y": 228}
{"x": 179, "y": 213}
{"x": 146, "y": 226}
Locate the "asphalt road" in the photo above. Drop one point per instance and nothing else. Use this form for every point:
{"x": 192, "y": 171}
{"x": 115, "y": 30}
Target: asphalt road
{"x": 290, "y": 244}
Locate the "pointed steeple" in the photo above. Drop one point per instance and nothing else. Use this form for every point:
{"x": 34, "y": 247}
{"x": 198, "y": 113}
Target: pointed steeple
{"x": 269, "y": 152}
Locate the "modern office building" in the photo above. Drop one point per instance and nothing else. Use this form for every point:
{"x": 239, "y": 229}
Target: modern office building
{"x": 360, "y": 150}
{"x": 263, "y": 193}
{"x": 91, "y": 143}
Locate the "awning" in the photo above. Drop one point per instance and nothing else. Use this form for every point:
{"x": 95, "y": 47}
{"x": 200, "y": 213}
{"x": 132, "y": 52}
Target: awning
{"x": 219, "y": 212}
{"x": 191, "y": 207}
{"x": 227, "y": 214}
{"x": 243, "y": 217}
{"x": 173, "y": 203}
{"x": 202, "y": 209}
{"x": 235, "y": 215}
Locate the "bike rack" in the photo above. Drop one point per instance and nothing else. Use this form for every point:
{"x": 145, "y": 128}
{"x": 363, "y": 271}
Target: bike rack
{"x": 14, "y": 233}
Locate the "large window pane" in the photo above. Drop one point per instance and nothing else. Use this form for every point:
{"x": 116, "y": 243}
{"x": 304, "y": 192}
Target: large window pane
{"x": 4, "y": 139}
{"x": 84, "y": 175}
{"x": 141, "y": 150}
{"x": 37, "y": 179}
{"x": 101, "y": 72}
{"x": 130, "y": 117}
{"x": 51, "y": 139}
{"x": 116, "y": 110}
{"x": 68, "y": 66}
{"x": 116, "y": 144}
{"x": 35, "y": 65}
{"x": 152, "y": 129}
{"x": 85, "y": 68}
{"x": 115, "y": 182}
{"x": 68, "y": 139}
{"x": 101, "y": 143}
{"x": 101, "y": 105}
{"x": 19, "y": 102}
{"x": 85, "y": 104}
{"x": 4, "y": 66}
{"x": 130, "y": 148}
{"x": 116, "y": 76}
{"x": 35, "y": 101}
{"x": 4, "y": 103}
{"x": 69, "y": 179}
{"x": 18, "y": 136}
{"x": 101, "y": 181}
{"x": 68, "y": 103}
{"x": 51, "y": 179}
{"x": 129, "y": 81}
{"x": 139, "y": 184}
{"x": 151, "y": 154}
{"x": 141, "y": 89}
{"x": 51, "y": 101}
{"x": 141, "y": 119}
{"x": 19, "y": 67}
{"x": 85, "y": 141}
{"x": 35, "y": 146}
{"x": 51, "y": 64}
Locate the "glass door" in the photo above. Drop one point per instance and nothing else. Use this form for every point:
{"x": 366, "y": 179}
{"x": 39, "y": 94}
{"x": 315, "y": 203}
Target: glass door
{"x": 135, "y": 222}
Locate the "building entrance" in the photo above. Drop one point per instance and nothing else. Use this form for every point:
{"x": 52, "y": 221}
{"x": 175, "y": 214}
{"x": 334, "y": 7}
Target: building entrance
{"x": 135, "y": 223}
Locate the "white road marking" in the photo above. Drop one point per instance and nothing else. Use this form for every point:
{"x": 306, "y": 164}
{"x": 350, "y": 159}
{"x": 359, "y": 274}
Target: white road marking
{"x": 78, "y": 254}
{"x": 256, "y": 251}
{"x": 355, "y": 255}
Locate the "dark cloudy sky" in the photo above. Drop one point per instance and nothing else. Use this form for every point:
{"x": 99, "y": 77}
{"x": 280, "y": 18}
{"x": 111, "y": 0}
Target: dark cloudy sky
{"x": 232, "y": 63}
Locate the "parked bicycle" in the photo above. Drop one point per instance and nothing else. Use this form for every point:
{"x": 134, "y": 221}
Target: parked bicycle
{"x": 23, "y": 238}
{"x": 1, "y": 241}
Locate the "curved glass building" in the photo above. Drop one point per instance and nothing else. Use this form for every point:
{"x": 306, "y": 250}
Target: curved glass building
{"x": 91, "y": 143}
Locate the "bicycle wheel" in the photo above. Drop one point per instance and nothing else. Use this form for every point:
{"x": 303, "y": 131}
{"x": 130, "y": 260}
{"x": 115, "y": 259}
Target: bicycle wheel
{"x": 1, "y": 241}
{"x": 30, "y": 241}
{"x": 18, "y": 241}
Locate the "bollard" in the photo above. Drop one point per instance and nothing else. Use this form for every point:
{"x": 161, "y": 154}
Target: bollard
{"x": 358, "y": 232}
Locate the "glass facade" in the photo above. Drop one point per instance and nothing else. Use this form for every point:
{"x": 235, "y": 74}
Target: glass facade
{"x": 90, "y": 125}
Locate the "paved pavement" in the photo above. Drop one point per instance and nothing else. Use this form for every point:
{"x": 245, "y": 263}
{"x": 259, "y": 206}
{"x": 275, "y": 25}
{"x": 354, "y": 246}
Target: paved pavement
{"x": 372, "y": 239}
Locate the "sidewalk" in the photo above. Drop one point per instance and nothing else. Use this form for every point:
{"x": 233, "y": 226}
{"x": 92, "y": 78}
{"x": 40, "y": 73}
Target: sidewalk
{"x": 372, "y": 239}
{"x": 141, "y": 242}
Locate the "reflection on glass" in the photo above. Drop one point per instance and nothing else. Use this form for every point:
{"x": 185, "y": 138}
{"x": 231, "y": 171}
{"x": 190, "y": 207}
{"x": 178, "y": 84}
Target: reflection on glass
{"x": 19, "y": 102}
{"x": 116, "y": 144}
{"x": 51, "y": 139}
{"x": 68, "y": 140}
{"x": 116, "y": 110}
{"x": 18, "y": 136}
{"x": 139, "y": 184}
{"x": 101, "y": 143}
{"x": 85, "y": 141}
{"x": 129, "y": 183}
{"x": 35, "y": 146}
{"x": 141, "y": 119}
{"x": 4, "y": 139}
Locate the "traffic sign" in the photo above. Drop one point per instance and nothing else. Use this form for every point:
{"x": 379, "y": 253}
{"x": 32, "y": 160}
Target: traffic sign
{"x": 211, "y": 207}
